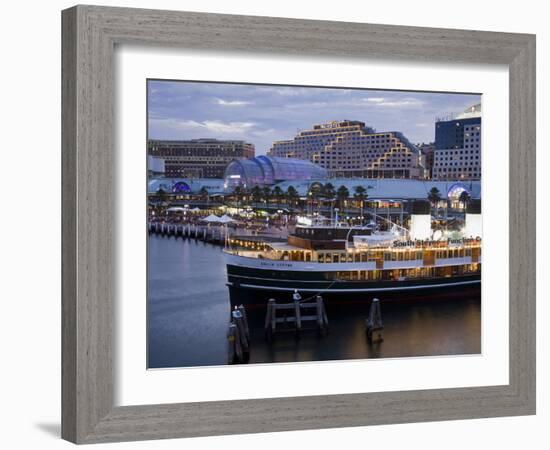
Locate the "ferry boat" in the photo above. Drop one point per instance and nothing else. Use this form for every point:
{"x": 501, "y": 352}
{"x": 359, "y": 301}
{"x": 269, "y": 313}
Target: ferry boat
{"x": 343, "y": 264}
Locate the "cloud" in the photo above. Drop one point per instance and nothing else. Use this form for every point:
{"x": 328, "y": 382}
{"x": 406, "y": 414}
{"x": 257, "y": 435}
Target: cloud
{"x": 382, "y": 101}
{"x": 308, "y": 105}
{"x": 374, "y": 99}
{"x": 207, "y": 126}
{"x": 287, "y": 91}
{"x": 222, "y": 102}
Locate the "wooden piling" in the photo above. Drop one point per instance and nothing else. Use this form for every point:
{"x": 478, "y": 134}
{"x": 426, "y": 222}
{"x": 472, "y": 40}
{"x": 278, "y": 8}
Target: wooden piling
{"x": 374, "y": 325}
{"x": 269, "y": 327}
{"x": 322, "y": 319}
{"x": 242, "y": 310}
{"x": 241, "y": 329}
{"x": 296, "y": 318}
{"x": 231, "y": 337}
{"x": 238, "y": 337}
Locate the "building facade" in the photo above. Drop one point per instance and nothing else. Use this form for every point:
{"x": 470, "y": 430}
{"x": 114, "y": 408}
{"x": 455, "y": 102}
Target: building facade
{"x": 199, "y": 158}
{"x": 457, "y": 153}
{"x": 348, "y": 148}
{"x": 427, "y": 154}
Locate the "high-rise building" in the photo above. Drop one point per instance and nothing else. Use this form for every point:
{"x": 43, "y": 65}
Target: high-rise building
{"x": 427, "y": 155}
{"x": 199, "y": 158}
{"x": 348, "y": 148}
{"x": 457, "y": 152}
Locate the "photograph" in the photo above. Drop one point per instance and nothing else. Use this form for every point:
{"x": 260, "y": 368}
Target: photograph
{"x": 295, "y": 223}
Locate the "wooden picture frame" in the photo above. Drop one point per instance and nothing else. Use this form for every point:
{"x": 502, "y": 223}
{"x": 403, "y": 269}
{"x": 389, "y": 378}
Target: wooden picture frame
{"x": 90, "y": 34}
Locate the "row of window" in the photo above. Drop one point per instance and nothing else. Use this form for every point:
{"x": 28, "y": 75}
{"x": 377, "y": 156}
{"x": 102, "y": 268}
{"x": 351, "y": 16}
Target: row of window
{"x": 396, "y": 274}
{"x": 373, "y": 255}
{"x": 440, "y": 153}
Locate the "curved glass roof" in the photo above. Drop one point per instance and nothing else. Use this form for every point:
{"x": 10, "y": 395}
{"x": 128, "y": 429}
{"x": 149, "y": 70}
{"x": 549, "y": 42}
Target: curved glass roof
{"x": 264, "y": 170}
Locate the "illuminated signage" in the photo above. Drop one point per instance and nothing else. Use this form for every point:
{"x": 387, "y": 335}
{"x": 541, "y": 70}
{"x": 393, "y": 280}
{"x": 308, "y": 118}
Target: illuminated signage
{"x": 428, "y": 242}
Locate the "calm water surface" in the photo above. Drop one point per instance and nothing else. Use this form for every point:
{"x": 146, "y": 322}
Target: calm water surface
{"x": 188, "y": 312}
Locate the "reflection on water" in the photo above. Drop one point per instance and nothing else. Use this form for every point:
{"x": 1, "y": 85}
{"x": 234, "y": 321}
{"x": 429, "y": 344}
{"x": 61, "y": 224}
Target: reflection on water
{"x": 188, "y": 311}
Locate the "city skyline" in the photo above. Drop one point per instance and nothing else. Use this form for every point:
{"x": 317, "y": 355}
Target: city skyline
{"x": 262, "y": 114}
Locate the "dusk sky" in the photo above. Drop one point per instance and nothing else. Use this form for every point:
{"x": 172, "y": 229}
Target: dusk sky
{"x": 263, "y": 114}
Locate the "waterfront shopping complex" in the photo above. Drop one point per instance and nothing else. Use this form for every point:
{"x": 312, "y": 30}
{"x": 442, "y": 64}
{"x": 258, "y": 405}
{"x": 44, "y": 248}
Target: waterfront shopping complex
{"x": 340, "y": 167}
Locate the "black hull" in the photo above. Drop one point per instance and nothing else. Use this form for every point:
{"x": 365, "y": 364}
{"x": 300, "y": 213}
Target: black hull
{"x": 256, "y": 291}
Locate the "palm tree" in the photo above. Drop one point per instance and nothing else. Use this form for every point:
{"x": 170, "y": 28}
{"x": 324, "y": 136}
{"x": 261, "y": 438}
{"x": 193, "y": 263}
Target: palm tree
{"x": 256, "y": 194}
{"x": 342, "y": 194}
{"x": 203, "y": 193}
{"x": 161, "y": 198}
{"x": 292, "y": 194}
{"x": 266, "y": 193}
{"x": 434, "y": 196}
{"x": 239, "y": 194}
{"x": 464, "y": 198}
{"x": 277, "y": 193}
{"x": 329, "y": 192}
{"x": 360, "y": 195}
{"x": 161, "y": 195}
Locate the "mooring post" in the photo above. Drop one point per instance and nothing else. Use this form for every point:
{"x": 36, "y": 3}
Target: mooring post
{"x": 319, "y": 310}
{"x": 231, "y": 337}
{"x": 241, "y": 309}
{"x": 238, "y": 347}
{"x": 374, "y": 321}
{"x": 322, "y": 320}
{"x": 297, "y": 319}
{"x": 241, "y": 331}
{"x": 325, "y": 317}
{"x": 270, "y": 320}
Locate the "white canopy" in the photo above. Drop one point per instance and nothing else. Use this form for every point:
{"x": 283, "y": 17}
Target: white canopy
{"x": 175, "y": 209}
{"x": 195, "y": 209}
{"x": 226, "y": 219}
{"x": 212, "y": 218}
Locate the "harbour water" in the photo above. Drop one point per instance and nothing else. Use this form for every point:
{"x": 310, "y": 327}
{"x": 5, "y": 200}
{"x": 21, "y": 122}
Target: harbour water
{"x": 188, "y": 314}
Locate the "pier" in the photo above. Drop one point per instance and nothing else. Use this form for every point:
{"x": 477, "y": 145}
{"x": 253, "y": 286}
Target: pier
{"x": 293, "y": 317}
{"x": 212, "y": 234}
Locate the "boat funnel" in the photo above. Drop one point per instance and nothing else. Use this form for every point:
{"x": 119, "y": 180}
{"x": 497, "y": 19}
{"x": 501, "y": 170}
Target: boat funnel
{"x": 420, "y": 219}
{"x": 472, "y": 226}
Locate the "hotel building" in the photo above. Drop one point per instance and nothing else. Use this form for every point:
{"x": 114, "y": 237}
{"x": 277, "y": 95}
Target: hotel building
{"x": 348, "y": 148}
{"x": 199, "y": 158}
{"x": 427, "y": 151}
{"x": 457, "y": 154}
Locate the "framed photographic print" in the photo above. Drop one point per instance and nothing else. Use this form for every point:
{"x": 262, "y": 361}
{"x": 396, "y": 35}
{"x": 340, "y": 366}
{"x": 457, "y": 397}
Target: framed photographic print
{"x": 267, "y": 230}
